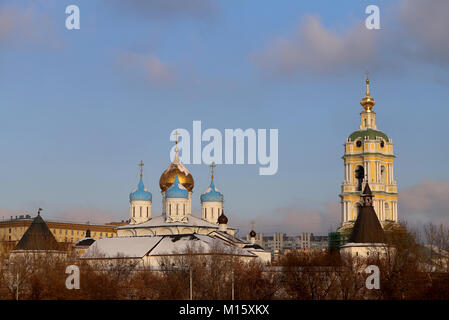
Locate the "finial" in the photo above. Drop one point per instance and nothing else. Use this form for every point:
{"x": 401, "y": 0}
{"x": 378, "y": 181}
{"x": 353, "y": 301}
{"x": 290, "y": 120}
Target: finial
{"x": 39, "y": 211}
{"x": 367, "y": 83}
{"x": 141, "y": 168}
{"x": 367, "y": 101}
{"x": 176, "y": 148}
{"x": 212, "y": 169}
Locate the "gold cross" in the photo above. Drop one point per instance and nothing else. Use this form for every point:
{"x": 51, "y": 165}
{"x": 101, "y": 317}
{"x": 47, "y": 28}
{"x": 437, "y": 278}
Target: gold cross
{"x": 176, "y": 135}
{"x": 141, "y": 167}
{"x": 212, "y": 169}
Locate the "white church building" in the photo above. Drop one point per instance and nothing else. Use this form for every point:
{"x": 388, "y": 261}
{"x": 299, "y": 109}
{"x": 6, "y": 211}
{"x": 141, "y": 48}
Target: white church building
{"x": 147, "y": 239}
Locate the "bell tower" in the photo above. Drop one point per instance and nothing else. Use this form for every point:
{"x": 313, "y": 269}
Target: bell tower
{"x": 368, "y": 158}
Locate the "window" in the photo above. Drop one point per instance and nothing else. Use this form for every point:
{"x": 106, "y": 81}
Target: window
{"x": 147, "y": 213}
{"x": 140, "y": 212}
{"x": 382, "y": 174}
{"x": 134, "y": 211}
{"x": 359, "y": 175}
{"x": 358, "y": 144}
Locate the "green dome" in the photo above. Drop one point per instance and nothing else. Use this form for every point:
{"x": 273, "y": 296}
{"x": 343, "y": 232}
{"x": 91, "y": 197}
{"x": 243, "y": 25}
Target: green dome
{"x": 370, "y": 133}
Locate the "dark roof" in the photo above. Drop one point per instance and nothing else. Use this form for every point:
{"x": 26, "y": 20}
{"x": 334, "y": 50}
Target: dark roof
{"x": 252, "y": 246}
{"x": 367, "y": 191}
{"x": 367, "y": 228}
{"x": 222, "y": 219}
{"x": 37, "y": 237}
{"x": 85, "y": 242}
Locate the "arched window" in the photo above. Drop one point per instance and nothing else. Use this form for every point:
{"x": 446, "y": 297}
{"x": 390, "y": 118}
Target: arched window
{"x": 382, "y": 174}
{"x": 359, "y": 175}
{"x": 147, "y": 212}
{"x": 140, "y": 212}
{"x": 205, "y": 213}
{"x": 134, "y": 212}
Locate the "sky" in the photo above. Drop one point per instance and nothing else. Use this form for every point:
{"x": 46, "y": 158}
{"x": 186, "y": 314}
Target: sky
{"x": 80, "y": 108}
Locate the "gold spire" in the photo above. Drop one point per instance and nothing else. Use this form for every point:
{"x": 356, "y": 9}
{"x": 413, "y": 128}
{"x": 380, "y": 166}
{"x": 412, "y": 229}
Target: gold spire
{"x": 141, "y": 168}
{"x": 212, "y": 169}
{"x": 367, "y": 101}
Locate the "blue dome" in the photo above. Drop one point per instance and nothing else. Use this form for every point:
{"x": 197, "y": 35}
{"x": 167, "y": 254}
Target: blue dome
{"x": 177, "y": 190}
{"x": 212, "y": 194}
{"x": 141, "y": 193}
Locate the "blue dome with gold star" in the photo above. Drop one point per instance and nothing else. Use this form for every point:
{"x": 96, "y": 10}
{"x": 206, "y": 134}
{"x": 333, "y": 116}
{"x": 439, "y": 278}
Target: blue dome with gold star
{"x": 212, "y": 194}
{"x": 140, "y": 193}
{"x": 177, "y": 190}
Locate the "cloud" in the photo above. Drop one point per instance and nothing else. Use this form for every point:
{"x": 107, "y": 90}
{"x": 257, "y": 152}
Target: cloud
{"x": 427, "y": 201}
{"x": 426, "y": 24}
{"x": 155, "y": 71}
{"x": 312, "y": 47}
{"x": 292, "y": 220}
{"x": 162, "y": 9}
{"x": 83, "y": 215}
{"x": 26, "y": 26}
{"x": 412, "y": 31}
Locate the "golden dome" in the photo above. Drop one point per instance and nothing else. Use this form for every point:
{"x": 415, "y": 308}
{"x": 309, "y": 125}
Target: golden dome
{"x": 367, "y": 101}
{"x": 176, "y": 168}
{"x": 169, "y": 176}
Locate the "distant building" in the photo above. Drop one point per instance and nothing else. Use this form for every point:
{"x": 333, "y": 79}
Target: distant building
{"x": 280, "y": 243}
{"x": 67, "y": 233}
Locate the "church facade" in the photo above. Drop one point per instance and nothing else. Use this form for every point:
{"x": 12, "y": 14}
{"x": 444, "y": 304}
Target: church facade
{"x": 147, "y": 238}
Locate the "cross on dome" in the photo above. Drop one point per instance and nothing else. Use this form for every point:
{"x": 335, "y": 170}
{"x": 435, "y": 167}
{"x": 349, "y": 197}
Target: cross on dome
{"x": 141, "y": 168}
{"x": 212, "y": 169}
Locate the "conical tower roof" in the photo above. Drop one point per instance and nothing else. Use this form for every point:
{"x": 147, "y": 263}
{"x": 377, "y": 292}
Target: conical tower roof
{"x": 367, "y": 228}
{"x": 37, "y": 237}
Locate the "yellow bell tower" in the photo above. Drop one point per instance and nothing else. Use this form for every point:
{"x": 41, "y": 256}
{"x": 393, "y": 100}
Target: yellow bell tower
{"x": 368, "y": 158}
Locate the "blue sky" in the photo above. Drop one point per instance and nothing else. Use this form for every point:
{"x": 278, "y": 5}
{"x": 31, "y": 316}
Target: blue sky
{"x": 80, "y": 109}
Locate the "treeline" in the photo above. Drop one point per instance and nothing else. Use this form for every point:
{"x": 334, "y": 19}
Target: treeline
{"x": 411, "y": 271}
